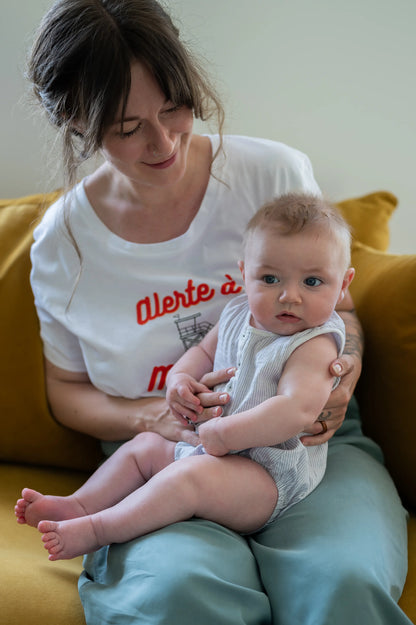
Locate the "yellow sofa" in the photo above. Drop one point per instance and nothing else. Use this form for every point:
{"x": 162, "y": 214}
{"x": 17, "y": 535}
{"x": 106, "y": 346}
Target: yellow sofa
{"x": 36, "y": 451}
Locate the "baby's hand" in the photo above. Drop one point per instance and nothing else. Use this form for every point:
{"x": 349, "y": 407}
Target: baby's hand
{"x": 210, "y": 437}
{"x": 181, "y": 396}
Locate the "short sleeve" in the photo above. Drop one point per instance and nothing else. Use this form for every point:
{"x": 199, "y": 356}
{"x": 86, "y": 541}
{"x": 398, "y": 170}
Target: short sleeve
{"x": 296, "y": 172}
{"x": 55, "y": 267}
{"x": 60, "y": 346}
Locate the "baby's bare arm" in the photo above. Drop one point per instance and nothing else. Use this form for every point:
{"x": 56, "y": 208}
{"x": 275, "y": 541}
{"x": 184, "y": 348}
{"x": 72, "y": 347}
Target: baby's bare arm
{"x": 182, "y": 383}
{"x": 348, "y": 367}
{"x": 301, "y": 394}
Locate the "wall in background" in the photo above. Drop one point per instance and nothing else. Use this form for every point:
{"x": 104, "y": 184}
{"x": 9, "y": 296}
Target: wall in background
{"x": 333, "y": 78}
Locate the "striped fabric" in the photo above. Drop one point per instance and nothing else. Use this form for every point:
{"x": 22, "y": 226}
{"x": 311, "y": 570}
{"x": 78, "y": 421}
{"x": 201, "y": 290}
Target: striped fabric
{"x": 260, "y": 357}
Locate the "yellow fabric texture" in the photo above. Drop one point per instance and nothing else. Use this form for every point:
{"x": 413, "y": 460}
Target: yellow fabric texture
{"x": 369, "y": 218}
{"x": 29, "y": 433}
{"x": 408, "y": 599}
{"x": 385, "y": 298}
{"x": 34, "y": 590}
{"x": 384, "y": 293}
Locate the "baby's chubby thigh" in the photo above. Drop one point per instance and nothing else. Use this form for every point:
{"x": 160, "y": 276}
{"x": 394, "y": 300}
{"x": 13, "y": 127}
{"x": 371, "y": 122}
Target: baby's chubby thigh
{"x": 231, "y": 490}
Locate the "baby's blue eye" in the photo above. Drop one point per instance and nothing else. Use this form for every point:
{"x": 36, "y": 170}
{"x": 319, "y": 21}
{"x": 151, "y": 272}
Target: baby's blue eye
{"x": 269, "y": 279}
{"x": 312, "y": 281}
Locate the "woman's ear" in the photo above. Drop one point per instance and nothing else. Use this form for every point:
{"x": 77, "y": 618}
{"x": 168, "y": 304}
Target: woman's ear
{"x": 348, "y": 277}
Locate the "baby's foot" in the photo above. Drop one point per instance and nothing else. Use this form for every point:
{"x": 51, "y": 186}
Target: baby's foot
{"x": 69, "y": 539}
{"x": 33, "y": 507}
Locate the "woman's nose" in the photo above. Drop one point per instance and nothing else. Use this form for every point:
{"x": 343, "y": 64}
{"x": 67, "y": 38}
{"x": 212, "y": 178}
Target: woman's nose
{"x": 161, "y": 142}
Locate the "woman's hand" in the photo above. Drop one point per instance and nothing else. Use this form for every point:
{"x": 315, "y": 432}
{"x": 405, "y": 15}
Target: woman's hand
{"x": 182, "y": 396}
{"x": 161, "y": 420}
{"x": 176, "y": 427}
{"x": 211, "y": 401}
{"x": 173, "y": 425}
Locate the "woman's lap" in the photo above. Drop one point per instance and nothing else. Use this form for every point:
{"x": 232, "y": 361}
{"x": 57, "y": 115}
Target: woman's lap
{"x": 187, "y": 573}
{"x": 338, "y": 557}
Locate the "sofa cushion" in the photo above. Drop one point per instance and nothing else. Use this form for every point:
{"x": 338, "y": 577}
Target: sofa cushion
{"x": 28, "y": 432}
{"x": 369, "y": 217}
{"x": 408, "y": 599}
{"x": 385, "y": 298}
{"x": 38, "y": 592}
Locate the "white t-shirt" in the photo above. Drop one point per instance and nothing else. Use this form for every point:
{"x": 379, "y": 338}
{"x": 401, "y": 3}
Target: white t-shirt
{"x": 133, "y": 309}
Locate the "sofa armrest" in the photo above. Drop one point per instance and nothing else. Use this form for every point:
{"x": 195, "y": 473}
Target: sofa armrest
{"x": 384, "y": 294}
{"x": 28, "y": 432}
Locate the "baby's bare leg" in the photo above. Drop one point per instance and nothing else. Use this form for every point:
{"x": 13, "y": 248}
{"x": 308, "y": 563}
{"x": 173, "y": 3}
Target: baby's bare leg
{"x": 33, "y": 506}
{"x": 131, "y": 466}
{"x": 127, "y": 469}
{"x": 231, "y": 490}
{"x": 240, "y": 494}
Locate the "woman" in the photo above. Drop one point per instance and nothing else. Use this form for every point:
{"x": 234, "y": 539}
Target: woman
{"x": 132, "y": 268}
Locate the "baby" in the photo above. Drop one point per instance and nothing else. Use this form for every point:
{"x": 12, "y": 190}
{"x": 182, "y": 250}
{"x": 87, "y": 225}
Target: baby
{"x": 281, "y": 336}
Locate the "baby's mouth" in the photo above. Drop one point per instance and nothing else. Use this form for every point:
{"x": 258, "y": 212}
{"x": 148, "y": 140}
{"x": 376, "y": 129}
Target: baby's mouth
{"x": 287, "y": 316}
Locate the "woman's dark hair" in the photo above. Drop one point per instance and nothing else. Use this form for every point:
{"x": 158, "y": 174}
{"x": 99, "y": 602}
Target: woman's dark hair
{"x": 80, "y": 68}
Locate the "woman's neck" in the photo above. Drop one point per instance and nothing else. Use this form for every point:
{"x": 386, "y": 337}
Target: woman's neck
{"x": 145, "y": 214}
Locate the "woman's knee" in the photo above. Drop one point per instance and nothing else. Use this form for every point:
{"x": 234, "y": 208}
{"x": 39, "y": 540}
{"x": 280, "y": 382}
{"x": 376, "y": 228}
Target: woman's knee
{"x": 176, "y": 576}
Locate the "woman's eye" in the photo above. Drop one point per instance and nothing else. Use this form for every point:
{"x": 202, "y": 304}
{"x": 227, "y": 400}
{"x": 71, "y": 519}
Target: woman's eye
{"x": 313, "y": 281}
{"x": 125, "y": 133}
{"x": 172, "y": 109}
{"x": 269, "y": 279}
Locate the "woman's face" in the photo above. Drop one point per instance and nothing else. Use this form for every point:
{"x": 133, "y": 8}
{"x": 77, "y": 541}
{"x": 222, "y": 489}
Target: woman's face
{"x": 151, "y": 146}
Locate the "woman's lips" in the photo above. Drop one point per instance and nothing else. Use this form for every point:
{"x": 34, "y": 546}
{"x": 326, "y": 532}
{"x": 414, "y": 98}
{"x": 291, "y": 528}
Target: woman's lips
{"x": 163, "y": 164}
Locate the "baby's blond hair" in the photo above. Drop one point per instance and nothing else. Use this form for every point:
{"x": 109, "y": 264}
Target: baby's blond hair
{"x": 294, "y": 212}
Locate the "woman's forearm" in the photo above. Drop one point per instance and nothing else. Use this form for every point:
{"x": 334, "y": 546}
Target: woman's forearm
{"x": 354, "y": 340}
{"x": 82, "y": 407}
{"x": 78, "y": 405}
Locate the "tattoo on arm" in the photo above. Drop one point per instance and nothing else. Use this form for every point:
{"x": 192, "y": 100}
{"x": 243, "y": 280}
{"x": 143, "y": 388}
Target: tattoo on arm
{"x": 354, "y": 340}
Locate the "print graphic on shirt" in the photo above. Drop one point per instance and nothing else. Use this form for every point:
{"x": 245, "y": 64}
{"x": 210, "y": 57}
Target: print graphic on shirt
{"x": 158, "y": 378}
{"x": 190, "y": 331}
{"x": 154, "y": 306}
{"x": 230, "y": 287}
{"x": 150, "y": 308}
{"x": 191, "y": 328}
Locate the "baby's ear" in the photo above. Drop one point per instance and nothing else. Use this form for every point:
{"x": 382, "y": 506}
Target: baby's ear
{"x": 241, "y": 266}
{"x": 348, "y": 277}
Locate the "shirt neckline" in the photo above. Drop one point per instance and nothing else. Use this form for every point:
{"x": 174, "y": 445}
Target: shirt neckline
{"x": 88, "y": 214}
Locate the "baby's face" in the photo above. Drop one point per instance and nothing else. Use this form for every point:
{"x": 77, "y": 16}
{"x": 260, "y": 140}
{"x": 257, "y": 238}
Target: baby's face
{"x": 293, "y": 282}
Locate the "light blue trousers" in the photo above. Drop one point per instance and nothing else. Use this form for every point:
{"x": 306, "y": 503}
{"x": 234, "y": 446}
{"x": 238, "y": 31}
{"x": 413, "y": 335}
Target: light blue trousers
{"x": 339, "y": 557}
